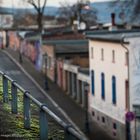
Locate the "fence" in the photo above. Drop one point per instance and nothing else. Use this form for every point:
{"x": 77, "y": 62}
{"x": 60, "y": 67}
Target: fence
{"x": 69, "y": 132}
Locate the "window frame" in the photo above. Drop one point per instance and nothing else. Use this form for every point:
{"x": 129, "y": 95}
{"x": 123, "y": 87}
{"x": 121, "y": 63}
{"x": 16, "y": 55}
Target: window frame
{"x": 93, "y": 82}
{"x": 114, "y": 93}
{"x": 103, "y": 86}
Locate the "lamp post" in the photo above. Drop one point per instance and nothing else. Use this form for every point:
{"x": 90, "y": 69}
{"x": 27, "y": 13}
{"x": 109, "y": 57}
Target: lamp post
{"x": 86, "y": 109}
{"x": 46, "y": 79}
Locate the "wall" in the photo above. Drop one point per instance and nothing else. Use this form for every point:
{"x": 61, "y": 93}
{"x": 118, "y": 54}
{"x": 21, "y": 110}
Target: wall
{"x": 51, "y": 60}
{"x": 60, "y": 72}
{"x": 81, "y": 61}
{"x": 134, "y": 72}
{"x": 109, "y": 68}
{"x": 13, "y": 40}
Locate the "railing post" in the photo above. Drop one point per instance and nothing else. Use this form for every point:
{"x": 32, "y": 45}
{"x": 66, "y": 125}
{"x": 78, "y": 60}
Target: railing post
{"x": 43, "y": 122}
{"x": 26, "y": 106}
{"x": 5, "y": 89}
{"x": 67, "y": 135}
{"x": 14, "y": 109}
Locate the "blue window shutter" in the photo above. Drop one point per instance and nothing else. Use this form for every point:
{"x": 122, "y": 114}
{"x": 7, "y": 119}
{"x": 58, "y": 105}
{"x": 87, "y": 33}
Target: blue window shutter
{"x": 102, "y": 85}
{"x": 92, "y": 82}
{"x": 114, "y": 90}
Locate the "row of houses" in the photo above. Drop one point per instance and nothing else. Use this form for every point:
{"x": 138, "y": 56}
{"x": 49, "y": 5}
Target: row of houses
{"x": 104, "y": 63}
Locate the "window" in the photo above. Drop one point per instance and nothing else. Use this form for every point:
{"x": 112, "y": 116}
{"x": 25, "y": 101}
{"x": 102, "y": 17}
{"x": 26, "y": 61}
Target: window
{"x": 103, "y": 120}
{"x": 126, "y": 58}
{"x": 92, "y": 51}
{"x": 114, "y": 126}
{"x": 92, "y": 82}
{"x": 113, "y": 56}
{"x": 93, "y": 113}
{"x": 113, "y": 89}
{"x": 102, "y": 85}
{"x": 102, "y": 54}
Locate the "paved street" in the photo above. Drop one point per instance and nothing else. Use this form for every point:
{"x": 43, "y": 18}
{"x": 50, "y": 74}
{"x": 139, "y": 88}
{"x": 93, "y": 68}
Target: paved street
{"x": 73, "y": 110}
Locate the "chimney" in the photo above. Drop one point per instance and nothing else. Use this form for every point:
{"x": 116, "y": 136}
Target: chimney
{"x": 113, "y": 19}
{"x": 113, "y": 26}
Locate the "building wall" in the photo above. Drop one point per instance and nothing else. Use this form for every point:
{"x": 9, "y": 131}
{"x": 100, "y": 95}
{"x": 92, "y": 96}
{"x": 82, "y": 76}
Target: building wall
{"x": 65, "y": 80}
{"x": 2, "y": 39}
{"x": 51, "y": 60}
{"x": 117, "y": 68}
{"x": 81, "y": 61}
{"x": 111, "y": 126}
{"x": 13, "y": 40}
{"x": 60, "y": 72}
{"x": 134, "y": 73}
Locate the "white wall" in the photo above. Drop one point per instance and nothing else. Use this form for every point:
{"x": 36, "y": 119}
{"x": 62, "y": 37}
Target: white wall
{"x": 118, "y": 69}
{"x": 134, "y": 49}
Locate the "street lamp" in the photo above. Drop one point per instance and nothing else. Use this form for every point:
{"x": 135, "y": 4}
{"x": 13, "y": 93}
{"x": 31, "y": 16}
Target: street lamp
{"x": 86, "y": 109}
{"x": 46, "y": 79}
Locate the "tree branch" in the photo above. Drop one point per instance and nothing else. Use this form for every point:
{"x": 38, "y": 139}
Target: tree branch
{"x": 45, "y": 1}
{"x": 34, "y": 5}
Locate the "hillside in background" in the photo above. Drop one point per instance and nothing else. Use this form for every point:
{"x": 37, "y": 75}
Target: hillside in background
{"x": 104, "y": 10}
{"x": 48, "y": 10}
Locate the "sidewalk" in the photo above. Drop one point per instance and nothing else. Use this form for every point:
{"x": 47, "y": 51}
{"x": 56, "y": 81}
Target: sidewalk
{"x": 72, "y": 109}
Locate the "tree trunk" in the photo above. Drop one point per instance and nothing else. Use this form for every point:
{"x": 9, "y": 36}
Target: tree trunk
{"x": 39, "y": 21}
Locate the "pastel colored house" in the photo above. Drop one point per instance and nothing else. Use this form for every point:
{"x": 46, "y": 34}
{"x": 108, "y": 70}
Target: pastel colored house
{"x": 114, "y": 75}
{"x": 59, "y": 51}
{"x": 14, "y": 41}
{"x": 77, "y": 83}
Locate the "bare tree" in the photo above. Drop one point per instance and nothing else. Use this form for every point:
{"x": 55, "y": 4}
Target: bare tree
{"x": 78, "y": 11}
{"x": 39, "y": 6}
{"x": 130, "y": 8}
{"x": 137, "y": 7}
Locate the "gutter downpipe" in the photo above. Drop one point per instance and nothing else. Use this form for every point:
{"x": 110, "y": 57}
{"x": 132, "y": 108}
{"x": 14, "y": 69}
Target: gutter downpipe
{"x": 128, "y": 125}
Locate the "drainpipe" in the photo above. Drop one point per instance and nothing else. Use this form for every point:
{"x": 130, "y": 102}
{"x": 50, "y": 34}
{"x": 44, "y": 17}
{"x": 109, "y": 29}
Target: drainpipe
{"x": 128, "y": 126}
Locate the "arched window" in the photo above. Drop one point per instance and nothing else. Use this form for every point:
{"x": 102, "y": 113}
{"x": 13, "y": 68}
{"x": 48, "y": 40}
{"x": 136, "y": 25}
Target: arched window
{"x": 103, "y": 85}
{"x": 92, "y": 82}
{"x": 113, "y": 89}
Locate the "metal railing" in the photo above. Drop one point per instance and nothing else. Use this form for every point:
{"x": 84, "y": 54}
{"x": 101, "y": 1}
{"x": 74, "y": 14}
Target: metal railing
{"x": 69, "y": 132}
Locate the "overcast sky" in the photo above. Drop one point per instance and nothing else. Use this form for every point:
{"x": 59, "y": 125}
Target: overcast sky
{"x": 17, "y": 3}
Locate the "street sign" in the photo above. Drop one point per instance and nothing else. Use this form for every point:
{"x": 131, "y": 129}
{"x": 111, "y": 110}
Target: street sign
{"x": 130, "y": 116}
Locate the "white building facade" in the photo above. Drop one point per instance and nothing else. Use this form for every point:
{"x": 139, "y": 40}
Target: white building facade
{"x": 106, "y": 69}
{"x": 111, "y": 70}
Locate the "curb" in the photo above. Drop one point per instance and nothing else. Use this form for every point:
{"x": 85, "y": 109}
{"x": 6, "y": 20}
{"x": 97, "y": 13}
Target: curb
{"x": 44, "y": 93}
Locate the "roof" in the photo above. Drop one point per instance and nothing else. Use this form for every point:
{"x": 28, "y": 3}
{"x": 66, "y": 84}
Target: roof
{"x": 112, "y": 36}
{"x": 69, "y": 46}
{"x": 4, "y": 10}
{"x": 84, "y": 71}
